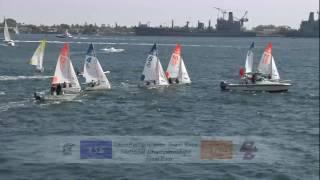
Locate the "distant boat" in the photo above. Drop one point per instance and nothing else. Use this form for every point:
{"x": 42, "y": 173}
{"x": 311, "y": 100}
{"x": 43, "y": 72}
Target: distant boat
{"x": 112, "y": 50}
{"x": 176, "y": 71}
{"x": 93, "y": 73}
{"x": 64, "y": 85}
{"x": 153, "y": 75}
{"x": 266, "y": 78}
{"x": 65, "y": 35}
{"x": 16, "y": 30}
{"x": 37, "y": 58}
{"x": 7, "y": 38}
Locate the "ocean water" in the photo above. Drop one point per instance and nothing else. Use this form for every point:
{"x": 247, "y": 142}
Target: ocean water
{"x": 288, "y": 121}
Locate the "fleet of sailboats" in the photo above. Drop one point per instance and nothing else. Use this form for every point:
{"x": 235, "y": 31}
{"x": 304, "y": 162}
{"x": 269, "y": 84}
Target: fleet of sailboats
{"x": 37, "y": 58}
{"x": 265, "y": 78}
{"x": 6, "y": 34}
{"x": 153, "y": 75}
{"x": 93, "y": 73}
{"x": 177, "y": 71}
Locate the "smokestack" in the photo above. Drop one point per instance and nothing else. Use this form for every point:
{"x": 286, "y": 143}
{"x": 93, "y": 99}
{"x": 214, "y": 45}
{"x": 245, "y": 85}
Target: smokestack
{"x": 209, "y": 26}
{"x": 230, "y": 17}
{"x": 172, "y": 23}
{"x": 311, "y": 16}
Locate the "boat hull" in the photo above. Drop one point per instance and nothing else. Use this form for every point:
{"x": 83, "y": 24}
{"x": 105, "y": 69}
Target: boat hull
{"x": 97, "y": 88}
{"x": 10, "y": 43}
{"x": 71, "y": 90}
{"x": 64, "y": 97}
{"x": 267, "y": 87}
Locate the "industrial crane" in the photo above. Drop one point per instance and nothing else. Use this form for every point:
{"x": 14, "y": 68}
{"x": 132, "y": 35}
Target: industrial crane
{"x": 222, "y": 11}
{"x": 243, "y": 18}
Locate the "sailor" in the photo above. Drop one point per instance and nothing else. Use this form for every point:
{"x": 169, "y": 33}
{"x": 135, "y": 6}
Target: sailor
{"x": 177, "y": 81}
{"x": 59, "y": 89}
{"x": 64, "y": 85}
{"x": 147, "y": 83}
{"x": 253, "y": 78}
{"x": 154, "y": 82}
{"x": 53, "y": 89}
{"x": 269, "y": 76}
{"x": 93, "y": 83}
{"x": 170, "y": 80}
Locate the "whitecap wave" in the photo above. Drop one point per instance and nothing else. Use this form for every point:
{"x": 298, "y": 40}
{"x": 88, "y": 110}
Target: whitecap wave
{"x": 14, "y": 104}
{"x": 11, "y": 78}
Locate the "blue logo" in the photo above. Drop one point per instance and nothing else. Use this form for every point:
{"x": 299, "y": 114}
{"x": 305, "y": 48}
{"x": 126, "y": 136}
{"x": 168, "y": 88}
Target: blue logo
{"x": 95, "y": 149}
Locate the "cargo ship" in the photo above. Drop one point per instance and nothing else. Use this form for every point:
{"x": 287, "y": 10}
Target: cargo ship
{"x": 308, "y": 28}
{"x": 230, "y": 27}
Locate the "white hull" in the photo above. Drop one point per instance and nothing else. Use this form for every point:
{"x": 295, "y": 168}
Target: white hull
{"x": 71, "y": 90}
{"x": 10, "y": 43}
{"x": 64, "y": 97}
{"x": 152, "y": 86}
{"x": 97, "y": 88}
{"x": 263, "y": 86}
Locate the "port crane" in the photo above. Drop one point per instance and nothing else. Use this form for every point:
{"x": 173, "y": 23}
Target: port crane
{"x": 223, "y": 11}
{"x": 243, "y": 18}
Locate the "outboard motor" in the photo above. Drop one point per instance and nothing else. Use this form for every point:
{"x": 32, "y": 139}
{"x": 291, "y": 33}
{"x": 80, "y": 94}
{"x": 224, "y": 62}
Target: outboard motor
{"x": 37, "y": 97}
{"x": 223, "y": 85}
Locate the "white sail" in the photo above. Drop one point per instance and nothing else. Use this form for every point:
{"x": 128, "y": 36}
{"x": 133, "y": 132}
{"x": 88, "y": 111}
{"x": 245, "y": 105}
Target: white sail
{"x": 6, "y": 32}
{"x": 37, "y": 58}
{"x": 174, "y": 63}
{"x": 149, "y": 72}
{"x": 249, "y": 62}
{"x": 162, "y": 80}
{"x": 183, "y": 74}
{"x": 274, "y": 71}
{"x": 93, "y": 70}
{"x": 153, "y": 71}
{"x": 264, "y": 66}
{"x": 64, "y": 72}
{"x": 16, "y": 30}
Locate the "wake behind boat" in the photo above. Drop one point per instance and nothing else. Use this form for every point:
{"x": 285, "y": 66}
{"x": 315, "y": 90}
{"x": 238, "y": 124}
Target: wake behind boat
{"x": 177, "y": 71}
{"x": 7, "y": 38}
{"x": 64, "y": 85}
{"x": 112, "y": 50}
{"x": 266, "y": 78}
{"x": 93, "y": 73}
{"x": 153, "y": 75}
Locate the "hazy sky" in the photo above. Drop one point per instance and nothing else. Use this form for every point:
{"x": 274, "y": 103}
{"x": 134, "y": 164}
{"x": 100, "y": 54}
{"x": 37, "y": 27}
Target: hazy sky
{"x": 130, "y": 12}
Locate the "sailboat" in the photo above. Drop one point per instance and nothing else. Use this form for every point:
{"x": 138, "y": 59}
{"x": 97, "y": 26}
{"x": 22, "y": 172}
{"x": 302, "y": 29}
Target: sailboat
{"x": 16, "y": 30}
{"x": 176, "y": 71}
{"x": 93, "y": 73}
{"x": 37, "y": 58}
{"x": 64, "y": 85}
{"x": 265, "y": 78}
{"x": 7, "y": 38}
{"x": 153, "y": 75}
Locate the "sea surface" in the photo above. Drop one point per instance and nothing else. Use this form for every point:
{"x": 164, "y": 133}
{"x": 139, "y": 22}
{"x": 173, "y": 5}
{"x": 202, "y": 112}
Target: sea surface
{"x": 289, "y": 122}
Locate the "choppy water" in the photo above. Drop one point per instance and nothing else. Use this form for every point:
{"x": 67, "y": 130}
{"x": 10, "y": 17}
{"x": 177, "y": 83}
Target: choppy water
{"x": 288, "y": 120}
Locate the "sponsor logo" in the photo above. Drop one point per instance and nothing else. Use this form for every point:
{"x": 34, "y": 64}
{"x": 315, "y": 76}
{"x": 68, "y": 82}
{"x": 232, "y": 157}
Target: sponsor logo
{"x": 216, "y": 149}
{"x": 95, "y": 149}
